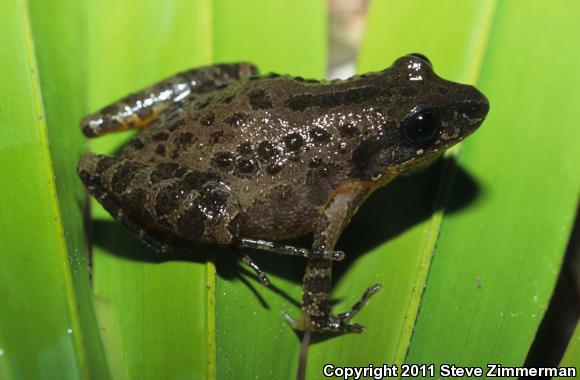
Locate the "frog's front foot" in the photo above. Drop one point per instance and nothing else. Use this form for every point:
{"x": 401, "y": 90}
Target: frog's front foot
{"x": 334, "y": 323}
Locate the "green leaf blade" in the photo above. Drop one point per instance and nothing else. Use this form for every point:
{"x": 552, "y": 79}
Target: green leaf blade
{"x": 253, "y": 339}
{"x": 398, "y": 222}
{"x": 154, "y": 312}
{"x": 40, "y": 328}
{"x": 495, "y": 266}
{"x": 268, "y": 34}
{"x": 61, "y": 72}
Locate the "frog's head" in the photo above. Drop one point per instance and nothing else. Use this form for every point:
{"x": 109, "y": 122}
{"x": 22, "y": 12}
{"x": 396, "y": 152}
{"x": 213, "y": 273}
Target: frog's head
{"x": 425, "y": 116}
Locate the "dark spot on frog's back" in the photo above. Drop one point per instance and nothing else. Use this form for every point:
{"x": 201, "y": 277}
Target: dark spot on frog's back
{"x": 124, "y": 174}
{"x": 197, "y": 179}
{"x": 294, "y": 141}
{"x": 185, "y": 138}
{"x": 215, "y": 137}
{"x": 134, "y": 200}
{"x": 246, "y": 166}
{"x": 223, "y": 160}
{"x": 207, "y": 119}
{"x": 237, "y": 119}
{"x": 167, "y": 169}
{"x": 245, "y": 148}
{"x": 160, "y": 136}
{"x": 275, "y": 167}
{"x": 266, "y": 150}
{"x": 213, "y": 199}
{"x": 259, "y": 100}
{"x": 137, "y": 143}
{"x": 169, "y": 198}
{"x": 319, "y": 135}
{"x": 163, "y": 171}
{"x": 160, "y": 149}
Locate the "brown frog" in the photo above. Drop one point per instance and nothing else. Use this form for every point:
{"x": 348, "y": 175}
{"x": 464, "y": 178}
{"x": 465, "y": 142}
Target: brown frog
{"x": 231, "y": 158}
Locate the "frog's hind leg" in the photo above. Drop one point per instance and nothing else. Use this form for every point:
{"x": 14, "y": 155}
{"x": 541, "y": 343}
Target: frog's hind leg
{"x": 166, "y": 204}
{"x": 126, "y": 206}
{"x": 164, "y": 98}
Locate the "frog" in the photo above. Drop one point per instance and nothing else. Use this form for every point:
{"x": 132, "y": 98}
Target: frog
{"x": 228, "y": 157}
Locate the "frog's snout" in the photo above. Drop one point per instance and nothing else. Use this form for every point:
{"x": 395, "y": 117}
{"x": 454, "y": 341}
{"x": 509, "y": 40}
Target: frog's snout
{"x": 481, "y": 104}
{"x": 474, "y": 106}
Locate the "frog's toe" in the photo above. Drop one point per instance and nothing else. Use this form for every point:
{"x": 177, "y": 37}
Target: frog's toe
{"x": 291, "y": 321}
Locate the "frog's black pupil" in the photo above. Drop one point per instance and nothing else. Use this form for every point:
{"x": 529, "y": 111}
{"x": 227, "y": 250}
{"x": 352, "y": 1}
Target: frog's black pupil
{"x": 422, "y": 57}
{"x": 421, "y": 126}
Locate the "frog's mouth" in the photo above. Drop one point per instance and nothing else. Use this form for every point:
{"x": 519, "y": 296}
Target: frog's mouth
{"x": 418, "y": 163}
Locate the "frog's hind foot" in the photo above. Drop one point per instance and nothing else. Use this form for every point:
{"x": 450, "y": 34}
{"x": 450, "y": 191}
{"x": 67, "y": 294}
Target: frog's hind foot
{"x": 288, "y": 250}
{"x": 333, "y": 323}
{"x": 369, "y": 292}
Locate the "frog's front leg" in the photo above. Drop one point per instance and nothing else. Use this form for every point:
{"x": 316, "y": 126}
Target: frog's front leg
{"x": 317, "y": 280}
{"x": 288, "y": 250}
{"x": 164, "y": 98}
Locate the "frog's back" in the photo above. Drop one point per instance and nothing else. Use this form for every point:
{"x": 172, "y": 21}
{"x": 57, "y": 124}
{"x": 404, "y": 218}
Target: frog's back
{"x": 281, "y": 145}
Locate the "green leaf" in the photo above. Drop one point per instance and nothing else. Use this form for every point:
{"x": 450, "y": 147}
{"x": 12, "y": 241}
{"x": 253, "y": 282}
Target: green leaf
{"x": 487, "y": 274}
{"x": 155, "y": 313}
{"x": 496, "y": 265}
{"x": 47, "y": 325}
{"x": 394, "y": 234}
{"x": 509, "y": 192}
{"x": 159, "y": 317}
{"x": 266, "y": 33}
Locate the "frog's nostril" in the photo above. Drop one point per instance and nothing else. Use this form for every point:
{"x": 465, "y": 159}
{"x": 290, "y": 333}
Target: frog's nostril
{"x": 474, "y": 110}
{"x": 475, "y": 106}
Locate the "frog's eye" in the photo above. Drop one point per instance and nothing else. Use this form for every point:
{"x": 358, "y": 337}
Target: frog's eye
{"x": 421, "y": 126}
{"x": 422, "y": 57}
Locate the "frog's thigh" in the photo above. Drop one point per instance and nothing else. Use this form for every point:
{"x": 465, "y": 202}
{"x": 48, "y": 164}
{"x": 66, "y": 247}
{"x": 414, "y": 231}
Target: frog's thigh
{"x": 164, "y": 204}
{"x": 167, "y": 97}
